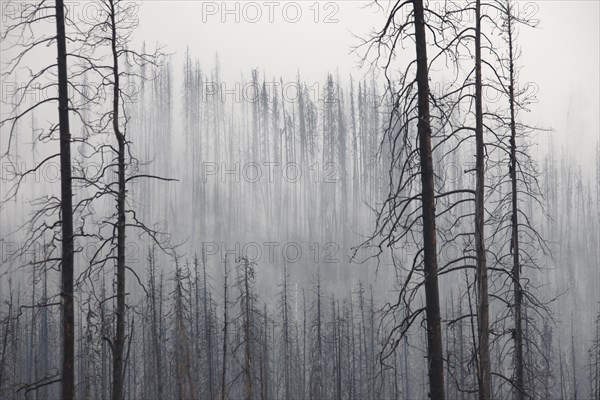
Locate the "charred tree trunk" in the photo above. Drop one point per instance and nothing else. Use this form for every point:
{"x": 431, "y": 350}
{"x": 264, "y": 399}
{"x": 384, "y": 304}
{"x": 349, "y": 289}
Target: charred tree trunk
{"x": 66, "y": 209}
{"x": 118, "y": 368}
{"x": 516, "y": 268}
{"x": 225, "y": 322}
{"x": 432, "y": 301}
{"x": 484, "y": 369}
{"x": 207, "y": 330}
{"x": 247, "y": 321}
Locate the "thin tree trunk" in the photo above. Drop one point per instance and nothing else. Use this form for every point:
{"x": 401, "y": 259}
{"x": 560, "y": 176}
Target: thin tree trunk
{"x": 207, "y": 330}
{"x": 484, "y": 368}
{"x": 248, "y": 390}
{"x": 303, "y": 345}
{"x": 66, "y": 208}
{"x": 573, "y": 362}
{"x": 224, "y": 367}
{"x": 117, "y": 381}
{"x": 516, "y": 269}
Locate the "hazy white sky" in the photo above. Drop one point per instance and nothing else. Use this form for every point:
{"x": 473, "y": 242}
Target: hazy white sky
{"x": 561, "y": 57}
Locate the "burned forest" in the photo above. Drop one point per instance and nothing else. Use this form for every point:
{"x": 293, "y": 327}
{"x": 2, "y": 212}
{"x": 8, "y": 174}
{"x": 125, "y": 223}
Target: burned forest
{"x": 345, "y": 200}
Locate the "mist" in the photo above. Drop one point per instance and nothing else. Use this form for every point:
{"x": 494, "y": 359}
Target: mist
{"x": 294, "y": 200}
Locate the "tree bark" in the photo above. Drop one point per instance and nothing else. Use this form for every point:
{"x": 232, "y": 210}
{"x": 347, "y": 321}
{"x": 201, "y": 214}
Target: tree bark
{"x": 432, "y": 301}
{"x": 247, "y": 308}
{"x": 484, "y": 368}
{"x": 66, "y": 209}
{"x": 118, "y": 368}
{"x": 225, "y": 321}
{"x": 516, "y": 268}
{"x": 207, "y": 330}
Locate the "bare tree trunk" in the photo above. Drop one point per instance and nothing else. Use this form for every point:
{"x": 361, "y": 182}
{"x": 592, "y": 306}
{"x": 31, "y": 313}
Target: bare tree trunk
{"x": 286, "y": 334}
{"x": 338, "y": 333}
{"x": 224, "y": 367}
{"x": 516, "y": 268}
{"x": 44, "y": 340}
{"x": 484, "y": 368}
{"x": 155, "y": 318}
{"x": 432, "y": 301}
{"x": 573, "y": 362}
{"x": 406, "y": 374}
{"x": 303, "y": 345}
{"x": 118, "y": 370}
{"x": 66, "y": 208}
{"x": 247, "y": 307}
{"x": 265, "y": 357}
{"x": 318, "y": 393}
{"x": 207, "y": 330}
{"x": 5, "y": 340}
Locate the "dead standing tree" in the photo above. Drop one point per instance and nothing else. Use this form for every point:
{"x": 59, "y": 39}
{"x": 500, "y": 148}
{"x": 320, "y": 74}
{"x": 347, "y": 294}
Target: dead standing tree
{"x": 21, "y": 30}
{"x": 105, "y": 61}
{"x": 495, "y": 73}
{"x": 250, "y": 318}
{"x": 410, "y": 204}
{"x": 524, "y": 241}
